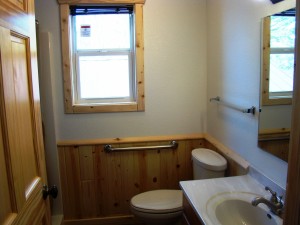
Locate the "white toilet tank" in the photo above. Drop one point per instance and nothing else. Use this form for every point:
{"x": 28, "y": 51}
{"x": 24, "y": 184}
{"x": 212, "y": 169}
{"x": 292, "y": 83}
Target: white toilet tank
{"x": 208, "y": 164}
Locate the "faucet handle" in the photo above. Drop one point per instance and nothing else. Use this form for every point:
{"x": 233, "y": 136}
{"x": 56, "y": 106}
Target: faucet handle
{"x": 271, "y": 191}
{"x": 274, "y": 197}
{"x": 280, "y": 199}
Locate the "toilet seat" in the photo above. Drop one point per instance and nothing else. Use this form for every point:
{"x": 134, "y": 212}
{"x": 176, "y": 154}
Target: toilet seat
{"x": 158, "y": 201}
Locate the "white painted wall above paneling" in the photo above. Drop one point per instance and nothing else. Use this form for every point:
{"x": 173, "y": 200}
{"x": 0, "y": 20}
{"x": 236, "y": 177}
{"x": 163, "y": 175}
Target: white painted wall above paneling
{"x": 175, "y": 75}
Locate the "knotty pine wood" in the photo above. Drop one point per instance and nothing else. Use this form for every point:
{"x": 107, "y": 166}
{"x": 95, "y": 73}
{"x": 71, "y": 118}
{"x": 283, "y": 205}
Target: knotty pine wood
{"x": 139, "y": 36}
{"x": 6, "y": 204}
{"x": 130, "y": 140}
{"x": 99, "y": 185}
{"x": 275, "y": 141}
{"x": 65, "y": 24}
{"x": 101, "y": 1}
{"x": 65, "y": 30}
{"x": 236, "y": 165}
{"x": 279, "y": 148}
{"x": 20, "y": 4}
{"x": 189, "y": 215}
{"x": 265, "y": 78}
{"x": 292, "y": 204}
{"x": 22, "y": 147}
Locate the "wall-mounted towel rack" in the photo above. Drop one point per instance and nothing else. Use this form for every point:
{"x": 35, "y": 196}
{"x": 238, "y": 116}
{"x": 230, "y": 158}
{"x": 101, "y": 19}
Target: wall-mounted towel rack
{"x": 229, "y": 105}
{"x": 172, "y": 145}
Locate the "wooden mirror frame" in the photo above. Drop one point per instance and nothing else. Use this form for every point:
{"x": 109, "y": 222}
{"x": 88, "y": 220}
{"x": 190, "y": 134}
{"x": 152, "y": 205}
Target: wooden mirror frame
{"x": 292, "y": 204}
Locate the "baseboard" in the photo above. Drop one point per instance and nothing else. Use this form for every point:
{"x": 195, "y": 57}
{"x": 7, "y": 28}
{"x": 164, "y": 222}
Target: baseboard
{"x": 118, "y": 220}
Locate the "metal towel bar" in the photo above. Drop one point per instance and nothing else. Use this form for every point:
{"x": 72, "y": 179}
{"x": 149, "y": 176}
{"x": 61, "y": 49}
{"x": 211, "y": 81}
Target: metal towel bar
{"x": 218, "y": 100}
{"x": 172, "y": 145}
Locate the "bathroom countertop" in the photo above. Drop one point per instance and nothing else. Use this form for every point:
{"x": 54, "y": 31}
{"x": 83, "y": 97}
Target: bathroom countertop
{"x": 199, "y": 192}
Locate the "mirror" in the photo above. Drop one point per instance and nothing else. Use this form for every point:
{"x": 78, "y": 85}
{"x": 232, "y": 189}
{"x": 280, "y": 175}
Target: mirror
{"x": 278, "y": 41}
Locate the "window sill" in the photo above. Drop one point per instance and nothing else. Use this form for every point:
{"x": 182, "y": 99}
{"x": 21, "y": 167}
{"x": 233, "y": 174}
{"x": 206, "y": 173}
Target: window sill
{"x": 276, "y": 101}
{"x": 98, "y": 108}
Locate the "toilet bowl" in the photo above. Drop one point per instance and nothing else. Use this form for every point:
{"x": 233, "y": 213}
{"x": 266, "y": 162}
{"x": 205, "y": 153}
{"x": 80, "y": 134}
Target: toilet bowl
{"x": 164, "y": 207}
{"x": 158, "y": 206}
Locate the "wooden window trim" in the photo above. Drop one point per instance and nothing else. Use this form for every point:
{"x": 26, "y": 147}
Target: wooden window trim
{"x": 265, "y": 78}
{"x": 70, "y": 107}
{"x": 73, "y": 2}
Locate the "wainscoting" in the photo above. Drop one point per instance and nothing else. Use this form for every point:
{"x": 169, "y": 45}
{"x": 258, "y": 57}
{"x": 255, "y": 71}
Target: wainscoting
{"x": 97, "y": 186}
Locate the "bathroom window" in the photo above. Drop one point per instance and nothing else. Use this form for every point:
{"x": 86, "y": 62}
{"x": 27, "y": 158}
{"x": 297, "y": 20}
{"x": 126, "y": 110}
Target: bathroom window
{"x": 278, "y": 58}
{"x": 103, "y": 57}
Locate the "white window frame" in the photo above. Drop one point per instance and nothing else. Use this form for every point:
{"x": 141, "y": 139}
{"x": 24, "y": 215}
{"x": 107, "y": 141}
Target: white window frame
{"x": 68, "y": 61}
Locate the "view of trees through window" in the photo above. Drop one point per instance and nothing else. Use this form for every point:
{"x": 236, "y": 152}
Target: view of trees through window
{"x": 282, "y": 35}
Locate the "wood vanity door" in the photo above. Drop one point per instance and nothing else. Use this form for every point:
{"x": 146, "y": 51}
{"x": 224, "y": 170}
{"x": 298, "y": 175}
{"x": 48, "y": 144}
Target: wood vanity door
{"x": 189, "y": 215}
{"x": 22, "y": 160}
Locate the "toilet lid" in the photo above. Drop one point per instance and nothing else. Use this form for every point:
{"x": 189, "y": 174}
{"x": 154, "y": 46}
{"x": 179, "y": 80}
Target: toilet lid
{"x": 158, "y": 201}
{"x": 209, "y": 159}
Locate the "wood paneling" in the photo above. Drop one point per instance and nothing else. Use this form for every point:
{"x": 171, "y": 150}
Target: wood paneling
{"x": 189, "y": 215}
{"x": 101, "y": 1}
{"x": 138, "y": 104}
{"x": 265, "y": 79}
{"x": 292, "y": 205}
{"x": 6, "y": 204}
{"x": 23, "y": 169}
{"x": 236, "y": 165}
{"x": 21, "y": 4}
{"x": 97, "y": 185}
{"x": 279, "y": 148}
{"x": 275, "y": 141}
{"x": 100, "y": 184}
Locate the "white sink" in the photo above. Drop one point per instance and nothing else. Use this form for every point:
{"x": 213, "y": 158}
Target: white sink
{"x": 227, "y": 201}
{"x": 228, "y": 208}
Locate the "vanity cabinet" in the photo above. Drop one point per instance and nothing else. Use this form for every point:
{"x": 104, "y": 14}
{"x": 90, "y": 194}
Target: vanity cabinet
{"x": 189, "y": 215}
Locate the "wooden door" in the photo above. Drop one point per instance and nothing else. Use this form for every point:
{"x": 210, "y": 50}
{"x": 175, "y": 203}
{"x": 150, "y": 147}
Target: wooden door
{"x": 22, "y": 160}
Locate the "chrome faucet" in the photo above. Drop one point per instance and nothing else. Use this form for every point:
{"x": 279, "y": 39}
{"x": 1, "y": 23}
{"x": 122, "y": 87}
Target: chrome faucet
{"x": 275, "y": 203}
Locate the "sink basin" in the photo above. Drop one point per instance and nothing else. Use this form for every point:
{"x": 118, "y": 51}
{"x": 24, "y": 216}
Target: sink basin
{"x": 229, "y": 208}
{"x": 236, "y": 211}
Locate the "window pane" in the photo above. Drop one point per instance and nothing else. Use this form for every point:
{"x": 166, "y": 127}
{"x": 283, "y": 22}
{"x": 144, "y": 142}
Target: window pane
{"x": 106, "y": 31}
{"x": 282, "y": 31}
{"x": 281, "y": 72}
{"x": 104, "y": 76}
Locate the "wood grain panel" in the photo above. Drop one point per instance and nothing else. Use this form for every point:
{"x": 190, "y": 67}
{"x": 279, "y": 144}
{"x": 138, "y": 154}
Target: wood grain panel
{"x": 21, "y": 4}
{"x": 23, "y": 119}
{"x": 6, "y": 206}
{"x": 265, "y": 79}
{"x": 101, "y": 1}
{"x": 292, "y": 205}
{"x": 70, "y": 106}
{"x": 23, "y": 161}
{"x": 86, "y": 161}
{"x": 279, "y": 148}
{"x": 89, "y": 200}
{"x": 103, "y": 188}
{"x": 190, "y": 216}
{"x": 73, "y": 181}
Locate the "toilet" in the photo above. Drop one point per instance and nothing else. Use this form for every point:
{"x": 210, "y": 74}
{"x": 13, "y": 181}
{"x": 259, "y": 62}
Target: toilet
{"x": 164, "y": 207}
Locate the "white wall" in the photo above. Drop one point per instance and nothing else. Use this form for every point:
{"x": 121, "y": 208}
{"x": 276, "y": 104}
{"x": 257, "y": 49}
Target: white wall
{"x": 234, "y": 38}
{"x": 175, "y": 75}
{"x": 175, "y": 79}
{"x": 275, "y": 116}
